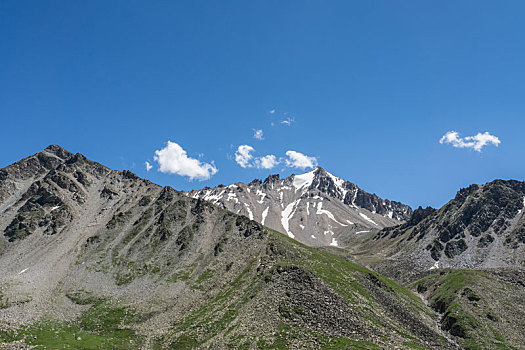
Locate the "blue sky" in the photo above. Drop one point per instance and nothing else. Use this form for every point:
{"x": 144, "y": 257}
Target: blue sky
{"x": 371, "y": 87}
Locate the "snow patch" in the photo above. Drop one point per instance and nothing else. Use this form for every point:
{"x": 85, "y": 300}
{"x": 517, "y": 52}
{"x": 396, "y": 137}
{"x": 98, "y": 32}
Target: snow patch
{"x": 361, "y": 232}
{"x": 350, "y": 222}
{"x": 521, "y": 210}
{"x": 320, "y": 211}
{"x": 334, "y": 242}
{"x": 302, "y": 227}
{"x": 264, "y": 214}
{"x": 303, "y": 180}
{"x": 435, "y": 266}
{"x": 55, "y": 208}
{"x": 287, "y": 214}
{"x": 250, "y": 214}
{"x": 24, "y": 270}
{"x": 368, "y": 219}
{"x": 262, "y": 194}
{"x": 232, "y": 196}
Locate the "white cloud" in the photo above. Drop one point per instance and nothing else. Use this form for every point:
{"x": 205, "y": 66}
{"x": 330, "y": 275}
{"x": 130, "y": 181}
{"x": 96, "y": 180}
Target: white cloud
{"x": 299, "y": 160}
{"x": 288, "y": 121}
{"x": 272, "y": 111}
{"x": 267, "y": 162}
{"x": 148, "y": 166}
{"x": 258, "y": 134}
{"x": 243, "y": 156}
{"x": 476, "y": 142}
{"x": 173, "y": 159}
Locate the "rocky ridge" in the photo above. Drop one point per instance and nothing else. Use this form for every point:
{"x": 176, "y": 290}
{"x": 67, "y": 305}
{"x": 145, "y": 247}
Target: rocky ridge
{"x": 482, "y": 227}
{"x": 315, "y": 208}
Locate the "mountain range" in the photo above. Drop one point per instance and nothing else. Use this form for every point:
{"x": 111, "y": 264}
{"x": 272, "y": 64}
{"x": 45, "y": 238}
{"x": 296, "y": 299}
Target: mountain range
{"x": 94, "y": 258}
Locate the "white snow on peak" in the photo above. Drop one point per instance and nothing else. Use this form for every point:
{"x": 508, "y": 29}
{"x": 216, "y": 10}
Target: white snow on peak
{"x": 367, "y": 218}
{"x": 303, "y": 180}
{"x": 350, "y": 222}
{"x": 214, "y": 198}
{"x": 55, "y": 208}
{"x": 308, "y": 208}
{"x": 334, "y": 242}
{"x": 264, "y": 214}
{"x": 302, "y": 227}
{"x": 435, "y": 266}
{"x": 287, "y": 214}
{"x": 358, "y": 232}
{"x": 320, "y": 211}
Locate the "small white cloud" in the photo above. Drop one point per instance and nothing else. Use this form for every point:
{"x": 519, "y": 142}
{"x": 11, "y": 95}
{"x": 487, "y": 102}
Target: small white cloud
{"x": 476, "y": 142}
{"x": 148, "y": 166}
{"x": 243, "y": 156}
{"x": 299, "y": 160}
{"x": 173, "y": 159}
{"x": 272, "y": 124}
{"x": 272, "y": 111}
{"x": 258, "y": 134}
{"x": 288, "y": 121}
{"x": 267, "y": 162}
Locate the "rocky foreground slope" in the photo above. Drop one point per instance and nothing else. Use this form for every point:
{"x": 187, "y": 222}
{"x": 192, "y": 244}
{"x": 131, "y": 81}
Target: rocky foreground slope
{"x": 315, "y": 208}
{"x": 93, "y": 258}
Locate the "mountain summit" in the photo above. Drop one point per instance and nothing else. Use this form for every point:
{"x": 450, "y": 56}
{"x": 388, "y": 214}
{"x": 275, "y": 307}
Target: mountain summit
{"x": 315, "y": 208}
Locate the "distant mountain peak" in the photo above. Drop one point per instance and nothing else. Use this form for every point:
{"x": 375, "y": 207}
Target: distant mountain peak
{"x": 314, "y": 207}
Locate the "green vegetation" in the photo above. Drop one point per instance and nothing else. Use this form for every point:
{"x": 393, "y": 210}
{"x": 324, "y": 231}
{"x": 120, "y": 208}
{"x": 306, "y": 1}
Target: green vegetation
{"x": 103, "y": 326}
{"x": 466, "y": 314}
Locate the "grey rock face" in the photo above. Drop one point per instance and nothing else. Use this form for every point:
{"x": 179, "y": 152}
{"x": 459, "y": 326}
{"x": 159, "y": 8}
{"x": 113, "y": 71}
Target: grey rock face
{"x": 482, "y": 227}
{"x": 316, "y": 208}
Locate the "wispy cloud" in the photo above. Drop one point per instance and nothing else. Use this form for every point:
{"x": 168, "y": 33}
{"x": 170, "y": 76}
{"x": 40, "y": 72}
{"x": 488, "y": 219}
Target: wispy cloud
{"x": 288, "y": 121}
{"x": 148, "y": 166}
{"x": 299, "y": 160}
{"x": 173, "y": 159}
{"x": 476, "y": 142}
{"x": 272, "y": 111}
{"x": 258, "y": 134}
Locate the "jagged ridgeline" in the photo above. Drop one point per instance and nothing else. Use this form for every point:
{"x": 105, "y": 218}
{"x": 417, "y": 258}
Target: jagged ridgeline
{"x": 93, "y": 258}
{"x": 482, "y": 227}
{"x": 315, "y": 208}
